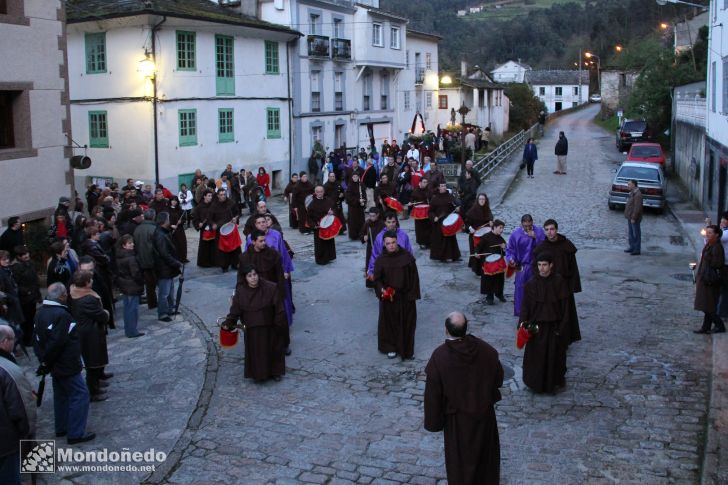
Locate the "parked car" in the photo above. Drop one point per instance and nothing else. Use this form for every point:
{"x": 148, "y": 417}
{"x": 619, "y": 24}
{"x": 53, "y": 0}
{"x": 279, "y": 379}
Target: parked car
{"x": 632, "y": 131}
{"x": 595, "y": 98}
{"x": 650, "y": 179}
{"x": 646, "y": 152}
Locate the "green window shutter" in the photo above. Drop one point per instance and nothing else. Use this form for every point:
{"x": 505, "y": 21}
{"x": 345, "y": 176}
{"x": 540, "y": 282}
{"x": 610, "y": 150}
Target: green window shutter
{"x": 273, "y": 122}
{"x": 224, "y": 66}
{"x": 271, "y": 57}
{"x": 96, "y": 53}
{"x": 225, "y": 129}
{"x": 185, "y": 51}
{"x": 98, "y": 129}
{"x": 187, "y": 127}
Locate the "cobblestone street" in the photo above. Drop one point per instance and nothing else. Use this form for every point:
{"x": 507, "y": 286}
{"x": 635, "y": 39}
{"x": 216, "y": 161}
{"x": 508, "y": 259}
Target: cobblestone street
{"x": 633, "y": 411}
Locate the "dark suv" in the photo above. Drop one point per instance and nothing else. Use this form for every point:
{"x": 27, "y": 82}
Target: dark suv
{"x": 631, "y": 131}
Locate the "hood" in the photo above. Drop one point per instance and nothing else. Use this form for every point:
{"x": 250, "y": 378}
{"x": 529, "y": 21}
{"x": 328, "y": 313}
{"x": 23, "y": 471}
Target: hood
{"x": 77, "y": 292}
{"x": 465, "y": 348}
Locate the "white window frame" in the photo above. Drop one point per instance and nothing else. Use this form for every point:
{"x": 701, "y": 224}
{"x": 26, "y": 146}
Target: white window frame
{"x": 377, "y": 34}
{"x": 407, "y": 101}
{"x": 394, "y": 41}
{"x": 428, "y": 100}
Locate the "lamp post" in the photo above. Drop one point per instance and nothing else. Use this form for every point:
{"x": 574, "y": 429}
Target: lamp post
{"x": 464, "y": 110}
{"x": 589, "y": 55}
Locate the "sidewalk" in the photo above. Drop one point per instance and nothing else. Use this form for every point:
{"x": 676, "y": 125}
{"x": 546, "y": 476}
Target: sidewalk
{"x": 715, "y": 457}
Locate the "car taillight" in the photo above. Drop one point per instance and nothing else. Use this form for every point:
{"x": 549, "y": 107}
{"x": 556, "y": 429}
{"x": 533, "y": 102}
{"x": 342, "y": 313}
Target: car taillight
{"x": 652, "y": 191}
{"x": 619, "y": 188}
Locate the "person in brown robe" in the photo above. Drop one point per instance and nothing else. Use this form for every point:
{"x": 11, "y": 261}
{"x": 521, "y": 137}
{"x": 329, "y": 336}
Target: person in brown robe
{"x": 222, "y": 211}
{"x": 397, "y": 285}
{"x": 356, "y": 200}
{"x": 355, "y": 169}
{"x": 546, "y": 303}
{"x": 178, "y": 219}
{"x": 463, "y": 379}
{"x": 303, "y": 189}
{"x": 334, "y": 192}
{"x": 442, "y": 247}
{"x": 423, "y": 227}
{"x": 288, "y": 195}
{"x": 385, "y": 189}
{"x": 492, "y": 243}
{"x": 260, "y": 208}
{"x": 707, "y": 295}
{"x": 436, "y": 177}
{"x": 206, "y": 250}
{"x": 563, "y": 251}
{"x": 369, "y": 231}
{"x": 478, "y": 216}
{"x": 324, "y": 249}
{"x": 258, "y": 305}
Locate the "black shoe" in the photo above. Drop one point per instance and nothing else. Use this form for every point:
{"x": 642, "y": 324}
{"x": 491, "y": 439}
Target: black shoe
{"x": 490, "y": 302}
{"x": 103, "y": 384}
{"x": 165, "y": 319}
{"x": 635, "y": 253}
{"x": 82, "y": 439}
{"x": 61, "y": 434}
{"x": 137, "y": 335}
{"x": 627, "y": 250}
{"x": 277, "y": 378}
{"x": 99, "y": 397}
{"x": 107, "y": 375}
{"x": 718, "y": 330}
{"x": 701, "y": 331}
{"x": 502, "y": 299}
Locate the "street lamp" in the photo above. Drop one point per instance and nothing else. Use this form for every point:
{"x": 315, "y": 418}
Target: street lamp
{"x": 146, "y": 66}
{"x": 446, "y": 80}
{"x": 665, "y": 2}
{"x": 618, "y": 48}
{"x": 589, "y": 55}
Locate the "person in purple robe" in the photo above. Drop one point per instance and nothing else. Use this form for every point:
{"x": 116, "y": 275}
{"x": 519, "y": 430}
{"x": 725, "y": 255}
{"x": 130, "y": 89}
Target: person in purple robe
{"x": 390, "y": 224}
{"x": 519, "y": 250}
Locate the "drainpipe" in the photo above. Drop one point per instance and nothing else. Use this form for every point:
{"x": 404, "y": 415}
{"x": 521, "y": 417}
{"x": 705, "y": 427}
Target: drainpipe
{"x": 290, "y": 111}
{"x": 154, "y": 100}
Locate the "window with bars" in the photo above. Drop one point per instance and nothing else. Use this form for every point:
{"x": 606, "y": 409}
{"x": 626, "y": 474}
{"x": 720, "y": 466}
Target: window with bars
{"x": 271, "y": 57}
{"x": 185, "y": 51}
{"x": 95, "y": 53}
{"x": 98, "y": 129}
{"x": 224, "y": 66}
{"x": 225, "y": 129}
{"x": 273, "y": 122}
{"x": 187, "y": 127}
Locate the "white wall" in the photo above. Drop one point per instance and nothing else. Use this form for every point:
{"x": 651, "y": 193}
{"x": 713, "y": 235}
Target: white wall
{"x": 717, "y": 118}
{"x": 365, "y": 52}
{"x": 510, "y": 72}
{"x": 567, "y": 98}
{"x": 418, "y": 92}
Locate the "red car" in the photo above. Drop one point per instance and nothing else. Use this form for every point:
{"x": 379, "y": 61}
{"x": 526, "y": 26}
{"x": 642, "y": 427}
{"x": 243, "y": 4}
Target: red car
{"x": 646, "y": 152}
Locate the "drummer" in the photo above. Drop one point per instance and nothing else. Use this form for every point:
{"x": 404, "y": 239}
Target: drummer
{"x": 479, "y": 217}
{"x": 303, "y": 189}
{"x": 442, "y": 205}
{"x": 324, "y": 249}
{"x": 386, "y": 188}
{"x": 423, "y": 227}
{"x": 222, "y": 211}
{"x": 391, "y": 225}
{"x": 491, "y": 243}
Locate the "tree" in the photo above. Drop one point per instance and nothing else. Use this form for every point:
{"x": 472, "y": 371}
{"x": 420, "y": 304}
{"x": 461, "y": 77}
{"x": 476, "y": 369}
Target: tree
{"x": 525, "y": 107}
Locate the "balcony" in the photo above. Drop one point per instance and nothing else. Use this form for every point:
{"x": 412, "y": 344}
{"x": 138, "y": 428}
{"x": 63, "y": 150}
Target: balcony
{"x": 318, "y": 46}
{"x": 419, "y": 75}
{"x": 341, "y": 49}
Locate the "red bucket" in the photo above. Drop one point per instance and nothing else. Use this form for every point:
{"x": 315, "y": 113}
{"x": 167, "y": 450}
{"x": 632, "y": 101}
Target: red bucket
{"x": 228, "y": 338}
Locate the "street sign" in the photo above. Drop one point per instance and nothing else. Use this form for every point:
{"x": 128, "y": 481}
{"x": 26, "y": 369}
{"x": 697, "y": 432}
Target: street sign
{"x": 620, "y": 113}
{"x": 449, "y": 169}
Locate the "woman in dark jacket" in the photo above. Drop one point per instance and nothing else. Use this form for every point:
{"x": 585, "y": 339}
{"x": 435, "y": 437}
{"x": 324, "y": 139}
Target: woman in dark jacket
{"x": 130, "y": 282}
{"x": 91, "y": 318}
{"x": 530, "y": 155}
{"x": 707, "y": 292}
{"x": 61, "y": 266}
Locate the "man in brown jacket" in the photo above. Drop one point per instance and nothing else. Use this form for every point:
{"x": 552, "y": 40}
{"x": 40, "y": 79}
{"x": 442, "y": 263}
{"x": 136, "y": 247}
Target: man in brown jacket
{"x": 633, "y": 214}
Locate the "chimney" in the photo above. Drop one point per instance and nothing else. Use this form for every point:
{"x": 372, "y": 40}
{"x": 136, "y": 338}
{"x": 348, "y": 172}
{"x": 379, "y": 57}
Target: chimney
{"x": 244, "y": 7}
{"x": 463, "y": 69}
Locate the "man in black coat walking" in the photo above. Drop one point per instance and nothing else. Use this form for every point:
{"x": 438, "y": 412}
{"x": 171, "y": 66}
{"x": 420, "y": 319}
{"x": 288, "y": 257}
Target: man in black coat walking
{"x": 561, "y": 150}
{"x": 166, "y": 267}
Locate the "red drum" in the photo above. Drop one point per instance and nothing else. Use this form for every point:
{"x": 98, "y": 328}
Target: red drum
{"x": 329, "y": 227}
{"x": 229, "y": 238}
{"x": 393, "y": 203}
{"x": 494, "y": 264}
{"x": 420, "y": 211}
{"x": 228, "y": 338}
{"x": 208, "y": 234}
{"x": 482, "y": 231}
{"x": 415, "y": 179}
{"x": 452, "y": 224}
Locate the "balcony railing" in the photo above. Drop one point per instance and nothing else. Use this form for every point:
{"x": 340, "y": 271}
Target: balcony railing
{"x": 341, "y": 49}
{"x": 419, "y": 75}
{"x": 318, "y": 46}
{"x": 690, "y": 110}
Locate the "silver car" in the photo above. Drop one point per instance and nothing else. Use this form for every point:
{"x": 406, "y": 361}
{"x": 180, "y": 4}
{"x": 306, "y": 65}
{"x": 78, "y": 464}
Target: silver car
{"x": 650, "y": 179}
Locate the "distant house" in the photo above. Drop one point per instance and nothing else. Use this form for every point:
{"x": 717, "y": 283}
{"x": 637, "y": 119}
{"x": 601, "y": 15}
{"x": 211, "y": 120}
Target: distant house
{"x": 510, "y": 72}
{"x": 418, "y": 83}
{"x": 616, "y": 86}
{"x": 559, "y": 89}
{"x": 476, "y": 9}
{"x": 462, "y": 13}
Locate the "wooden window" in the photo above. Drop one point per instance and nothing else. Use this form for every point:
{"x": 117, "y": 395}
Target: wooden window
{"x": 96, "y": 53}
{"x": 271, "y": 57}
{"x": 273, "y": 122}
{"x": 185, "y": 51}
{"x": 225, "y": 129}
{"x": 98, "y": 129}
{"x": 442, "y": 101}
{"x": 187, "y": 127}
{"x": 224, "y": 66}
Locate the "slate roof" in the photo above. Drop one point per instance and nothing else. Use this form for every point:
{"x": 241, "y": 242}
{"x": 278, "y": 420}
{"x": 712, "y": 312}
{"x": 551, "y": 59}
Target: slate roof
{"x": 91, "y": 10}
{"x": 556, "y": 77}
{"x": 383, "y": 13}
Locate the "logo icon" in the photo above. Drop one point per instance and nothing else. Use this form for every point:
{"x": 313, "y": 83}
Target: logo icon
{"x": 37, "y": 456}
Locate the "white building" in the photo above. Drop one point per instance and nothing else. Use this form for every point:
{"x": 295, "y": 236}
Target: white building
{"x": 222, "y": 89}
{"x": 488, "y": 104}
{"x": 559, "y": 89}
{"x": 716, "y": 122}
{"x": 35, "y": 129}
{"x": 418, "y": 84}
{"x": 510, "y": 72}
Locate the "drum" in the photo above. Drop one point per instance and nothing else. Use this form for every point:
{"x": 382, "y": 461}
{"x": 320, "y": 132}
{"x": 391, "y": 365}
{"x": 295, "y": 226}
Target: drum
{"x": 329, "y": 227}
{"x": 482, "y": 231}
{"x": 452, "y": 224}
{"x": 420, "y": 211}
{"x": 229, "y": 238}
{"x": 394, "y": 204}
{"x": 309, "y": 199}
{"x": 494, "y": 264}
{"x": 208, "y": 234}
{"x": 228, "y": 338}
